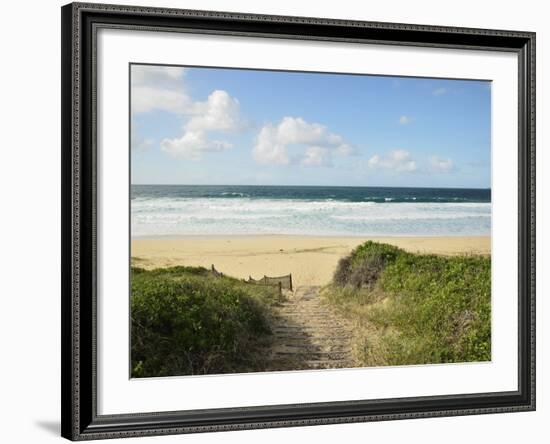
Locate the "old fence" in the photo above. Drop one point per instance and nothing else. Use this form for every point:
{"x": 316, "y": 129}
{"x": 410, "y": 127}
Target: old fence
{"x": 216, "y": 272}
{"x": 285, "y": 282}
{"x": 282, "y": 282}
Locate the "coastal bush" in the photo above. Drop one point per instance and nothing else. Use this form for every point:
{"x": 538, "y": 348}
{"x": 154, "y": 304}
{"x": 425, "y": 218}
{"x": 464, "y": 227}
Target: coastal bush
{"x": 185, "y": 321}
{"x": 419, "y": 309}
{"x": 343, "y": 271}
{"x": 363, "y": 266}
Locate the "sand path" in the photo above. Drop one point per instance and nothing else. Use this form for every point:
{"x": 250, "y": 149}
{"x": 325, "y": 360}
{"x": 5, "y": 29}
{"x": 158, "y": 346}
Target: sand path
{"x": 308, "y": 334}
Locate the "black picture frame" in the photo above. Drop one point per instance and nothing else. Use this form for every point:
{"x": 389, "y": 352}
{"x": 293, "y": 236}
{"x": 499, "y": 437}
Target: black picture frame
{"x": 80, "y": 22}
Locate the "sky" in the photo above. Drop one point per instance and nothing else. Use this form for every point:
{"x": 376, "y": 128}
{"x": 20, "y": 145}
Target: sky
{"x": 250, "y": 127}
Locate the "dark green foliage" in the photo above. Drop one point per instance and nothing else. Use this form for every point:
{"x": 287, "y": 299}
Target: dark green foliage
{"x": 421, "y": 308}
{"x": 185, "y": 321}
{"x": 363, "y": 266}
{"x": 343, "y": 271}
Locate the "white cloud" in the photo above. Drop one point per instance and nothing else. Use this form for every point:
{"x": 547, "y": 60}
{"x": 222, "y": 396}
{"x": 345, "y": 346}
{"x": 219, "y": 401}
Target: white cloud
{"x": 158, "y": 88}
{"x": 404, "y": 120}
{"x": 317, "y": 156}
{"x": 397, "y": 160}
{"x": 162, "y": 88}
{"x": 220, "y": 112}
{"x": 439, "y": 91}
{"x": 273, "y": 141}
{"x": 440, "y": 165}
{"x": 165, "y": 75}
{"x": 192, "y": 144}
{"x": 145, "y": 99}
{"x": 268, "y": 150}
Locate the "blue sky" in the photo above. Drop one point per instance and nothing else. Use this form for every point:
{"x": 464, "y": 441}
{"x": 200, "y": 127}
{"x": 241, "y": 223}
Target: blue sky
{"x": 231, "y": 126}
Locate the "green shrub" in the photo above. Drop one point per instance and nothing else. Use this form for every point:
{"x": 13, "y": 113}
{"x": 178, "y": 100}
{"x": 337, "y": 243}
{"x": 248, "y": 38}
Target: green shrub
{"x": 186, "y": 321}
{"x": 343, "y": 271}
{"x": 416, "y": 309}
{"x": 363, "y": 266}
{"x": 445, "y": 300}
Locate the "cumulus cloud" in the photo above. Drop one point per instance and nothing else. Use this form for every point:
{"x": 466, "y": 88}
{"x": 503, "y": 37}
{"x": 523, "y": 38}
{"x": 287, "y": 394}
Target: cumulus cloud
{"x": 405, "y": 120}
{"x": 162, "y": 88}
{"x": 397, "y": 160}
{"x": 317, "y": 156}
{"x": 158, "y": 88}
{"x": 441, "y": 165}
{"x": 220, "y": 113}
{"x": 273, "y": 141}
{"x": 268, "y": 150}
{"x": 439, "y": 91}
{"x": 192, "y": 144}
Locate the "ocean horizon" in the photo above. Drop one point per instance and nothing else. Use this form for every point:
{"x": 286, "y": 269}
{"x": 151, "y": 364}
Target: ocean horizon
{"x": 186, "y": 210}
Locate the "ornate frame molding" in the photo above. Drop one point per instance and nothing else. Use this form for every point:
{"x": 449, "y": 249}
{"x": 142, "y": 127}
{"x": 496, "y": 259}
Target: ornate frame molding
{"x": 80, "y": 22}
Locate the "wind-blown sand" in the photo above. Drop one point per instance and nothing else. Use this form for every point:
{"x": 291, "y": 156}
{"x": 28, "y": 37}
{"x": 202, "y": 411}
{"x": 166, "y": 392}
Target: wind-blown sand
{"x": 311, "y": 260}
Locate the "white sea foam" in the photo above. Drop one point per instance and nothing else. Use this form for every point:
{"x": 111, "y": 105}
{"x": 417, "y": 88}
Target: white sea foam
{"x": 188, "y": 216}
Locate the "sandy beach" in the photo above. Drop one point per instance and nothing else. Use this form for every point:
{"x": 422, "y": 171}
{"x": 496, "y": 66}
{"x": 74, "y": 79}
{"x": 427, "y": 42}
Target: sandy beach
{"x": 311, "y": 260}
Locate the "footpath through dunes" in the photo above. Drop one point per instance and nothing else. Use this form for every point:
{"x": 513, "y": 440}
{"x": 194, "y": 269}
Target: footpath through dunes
{"x": 308, "y": 334}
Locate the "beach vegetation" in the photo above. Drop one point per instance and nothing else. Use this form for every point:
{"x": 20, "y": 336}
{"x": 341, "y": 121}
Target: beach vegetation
{"x": 187, "y": 321}
{"x": 414, "y": 308}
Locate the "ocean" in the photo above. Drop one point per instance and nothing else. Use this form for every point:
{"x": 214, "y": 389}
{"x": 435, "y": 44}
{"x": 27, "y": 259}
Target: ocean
{"x": 180, "y": 210}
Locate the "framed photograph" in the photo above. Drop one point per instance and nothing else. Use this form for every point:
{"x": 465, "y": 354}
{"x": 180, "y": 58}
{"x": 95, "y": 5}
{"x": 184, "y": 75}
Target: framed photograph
{"x": 280, "y": 221}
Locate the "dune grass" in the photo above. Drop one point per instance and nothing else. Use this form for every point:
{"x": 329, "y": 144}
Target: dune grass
{"x": 186, "y": 321}
{"x": 412, "y": 308}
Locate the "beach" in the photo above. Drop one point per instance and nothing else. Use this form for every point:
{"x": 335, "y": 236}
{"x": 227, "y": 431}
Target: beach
{"x": 310, "y": 259}
{"x": 276, "y": 230}
{"x": 382, "y": 219}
